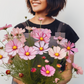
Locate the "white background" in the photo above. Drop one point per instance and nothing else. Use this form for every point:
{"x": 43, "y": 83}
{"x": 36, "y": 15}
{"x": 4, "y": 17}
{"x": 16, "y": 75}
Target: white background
{"x": 14, "y": 11}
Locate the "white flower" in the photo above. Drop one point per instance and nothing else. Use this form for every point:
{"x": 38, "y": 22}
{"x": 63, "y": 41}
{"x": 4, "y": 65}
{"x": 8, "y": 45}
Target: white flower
{"x": 57, "y": 52}
{"x": 41, "y": 47}
{"x": 3, "y": 57}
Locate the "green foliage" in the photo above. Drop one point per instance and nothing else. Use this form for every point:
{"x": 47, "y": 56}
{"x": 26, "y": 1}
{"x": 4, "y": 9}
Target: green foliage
{"x": 24, "y": 66}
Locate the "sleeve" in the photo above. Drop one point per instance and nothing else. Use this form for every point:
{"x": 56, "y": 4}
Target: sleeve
{"x": 71, "y": 34}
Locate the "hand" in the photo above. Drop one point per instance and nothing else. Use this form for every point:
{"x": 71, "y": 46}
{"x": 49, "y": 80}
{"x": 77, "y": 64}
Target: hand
{"x": 10, "y": 61}
{"x": 67, "y": 75}
{"x": 18, "y": 81}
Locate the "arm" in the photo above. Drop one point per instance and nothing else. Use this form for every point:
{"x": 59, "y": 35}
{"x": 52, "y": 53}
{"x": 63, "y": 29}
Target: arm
{"x": 18, "y": 81}
{"x": 67, "y": 73}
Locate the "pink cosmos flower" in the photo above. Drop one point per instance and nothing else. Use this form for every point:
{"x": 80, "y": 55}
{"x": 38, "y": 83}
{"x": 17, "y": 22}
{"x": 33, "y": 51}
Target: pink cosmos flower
{"x": 22, "y": 38}
{"x": 6, "y": 37}
{"x": 60, "y": 40}
{"x": 46, "y": 61}
{"x": 30, "y": 28}
{"x": 13, "y": 46}
{"x": 5, "y": 27}
{"x": 27, "y": 53}
{"x": 3, "y": 57}
{"x": 78, "y": 69}
{"x": 17, "y": 31}
{"x": 41, "y": 34}
{"x": 69, "y": 48}
{"x": 56, "y": 80}
{"x": 41, "y": 19}
{"x": 33, "y": 70}
{"x": 41, "y": 47}
{"x": 47, "y": 71}
{"x": 57, "y": 52}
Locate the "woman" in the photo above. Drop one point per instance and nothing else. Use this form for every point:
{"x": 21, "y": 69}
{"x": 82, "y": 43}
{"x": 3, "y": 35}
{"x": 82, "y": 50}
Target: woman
{"x": 46, "y": 9}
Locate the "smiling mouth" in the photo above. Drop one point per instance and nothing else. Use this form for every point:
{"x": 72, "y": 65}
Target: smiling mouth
{"x": 35, "y": 3}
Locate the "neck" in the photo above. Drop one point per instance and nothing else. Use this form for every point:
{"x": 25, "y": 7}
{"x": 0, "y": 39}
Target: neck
{"x": 46, "y": 20}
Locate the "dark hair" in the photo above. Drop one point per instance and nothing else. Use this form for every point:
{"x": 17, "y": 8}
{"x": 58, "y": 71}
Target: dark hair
{"x": 53, "y": 7}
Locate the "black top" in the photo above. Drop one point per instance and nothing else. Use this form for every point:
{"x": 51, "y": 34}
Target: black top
{"x": 70, "y": 34}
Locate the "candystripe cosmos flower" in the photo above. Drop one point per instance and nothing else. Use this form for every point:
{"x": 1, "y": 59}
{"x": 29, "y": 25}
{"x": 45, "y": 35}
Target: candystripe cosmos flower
{"x": 3, "y": 57}
{"x": 41, "y": 34}
{"x": 78, "y": 69}
{"x": 57, "y": 52}
{"x": 13, "y": 46}
{"x": 5, "y": 27}
{"x": 41, "y": 47}
{"x": 69, "y": 48}
{"x": 27, "y": 53}
{"x": 47, "y": 71}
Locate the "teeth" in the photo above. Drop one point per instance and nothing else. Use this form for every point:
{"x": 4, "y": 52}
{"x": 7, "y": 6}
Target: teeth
{"x": 35, "y": 4}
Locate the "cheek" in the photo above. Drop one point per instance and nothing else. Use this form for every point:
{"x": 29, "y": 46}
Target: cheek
{"x": 44, "y": 4}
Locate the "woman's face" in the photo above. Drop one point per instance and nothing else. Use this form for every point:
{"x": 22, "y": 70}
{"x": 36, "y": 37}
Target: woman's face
{"x": 38, "y": 5}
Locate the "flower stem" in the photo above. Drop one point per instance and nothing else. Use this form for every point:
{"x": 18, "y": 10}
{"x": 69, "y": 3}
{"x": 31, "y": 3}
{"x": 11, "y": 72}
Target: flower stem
{"x": 29, "y": 69}
{"x": 2, "y": 42}
{"x": 40, "y": 23}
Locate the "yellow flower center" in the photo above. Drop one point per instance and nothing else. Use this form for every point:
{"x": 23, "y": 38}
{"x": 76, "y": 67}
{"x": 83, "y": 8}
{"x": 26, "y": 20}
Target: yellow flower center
{"x": 47, "y": 71}
{"x": 38, "y": 66}
{"x": 14, "y": 47}
{"x": 8, "y": 71}
{"x": 68, "y": 48}
{"x": 41, "y": 48}
{"x": 57, "y": 54}
{"x": 1, "y": 56}
{"x": 41, "y": 38}
{"x": 27, "y": 53}
{"x": 58, "y": 65}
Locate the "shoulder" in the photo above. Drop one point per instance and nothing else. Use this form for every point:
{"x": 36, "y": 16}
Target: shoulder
{"x": 22, "y": 25}
{"x": 71, "y": 34}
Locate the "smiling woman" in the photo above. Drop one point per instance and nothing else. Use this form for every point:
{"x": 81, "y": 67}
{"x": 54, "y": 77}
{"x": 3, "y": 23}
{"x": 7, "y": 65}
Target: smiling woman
{"x": 46, "y": 9}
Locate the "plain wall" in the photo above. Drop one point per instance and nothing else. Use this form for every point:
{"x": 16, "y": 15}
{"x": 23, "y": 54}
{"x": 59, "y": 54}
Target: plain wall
{"x": 14, "y": 11}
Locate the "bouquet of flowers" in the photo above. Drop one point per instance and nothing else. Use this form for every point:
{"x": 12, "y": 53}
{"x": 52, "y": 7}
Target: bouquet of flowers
{"x": 31, "y": 60}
